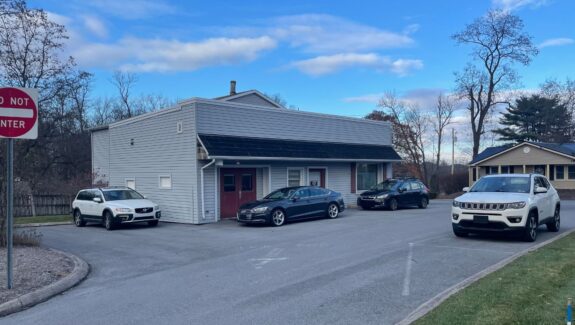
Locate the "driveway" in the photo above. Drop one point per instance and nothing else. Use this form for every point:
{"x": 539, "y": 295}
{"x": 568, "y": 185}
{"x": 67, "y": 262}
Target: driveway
{"x": 366, "y": 267}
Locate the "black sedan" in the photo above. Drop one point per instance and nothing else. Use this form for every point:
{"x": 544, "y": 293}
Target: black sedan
{"x": 292, "y": 203}
{"x": 393, "y": 193}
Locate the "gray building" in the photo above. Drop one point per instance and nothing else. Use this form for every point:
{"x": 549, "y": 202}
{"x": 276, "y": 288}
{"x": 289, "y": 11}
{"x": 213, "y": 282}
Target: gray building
{"x": 204, "y": 157}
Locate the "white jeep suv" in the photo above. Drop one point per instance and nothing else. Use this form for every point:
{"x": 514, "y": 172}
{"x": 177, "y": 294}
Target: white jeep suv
{"x": 516, "y": 203}
{"x": 113, "y": 206}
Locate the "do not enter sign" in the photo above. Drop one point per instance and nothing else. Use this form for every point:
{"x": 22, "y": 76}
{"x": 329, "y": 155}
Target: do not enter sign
{"x": 18, "y": 113}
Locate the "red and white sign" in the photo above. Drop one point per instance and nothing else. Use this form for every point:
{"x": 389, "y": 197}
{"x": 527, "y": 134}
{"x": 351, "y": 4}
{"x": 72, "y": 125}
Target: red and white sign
{"x": 18, "y": 113}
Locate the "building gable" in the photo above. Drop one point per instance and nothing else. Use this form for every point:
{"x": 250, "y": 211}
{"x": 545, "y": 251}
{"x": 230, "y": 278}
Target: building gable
{"x": 526, "y": 154}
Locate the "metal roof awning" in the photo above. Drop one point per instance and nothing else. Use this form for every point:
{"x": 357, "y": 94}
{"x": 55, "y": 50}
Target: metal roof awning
{"x": 242, "y": 148}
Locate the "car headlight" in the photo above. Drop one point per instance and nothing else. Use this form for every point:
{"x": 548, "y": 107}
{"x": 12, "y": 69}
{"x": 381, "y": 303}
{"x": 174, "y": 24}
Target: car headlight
{"x": 456, "y": 204}
{"x": 157, "y": 208}
{"x": 123, "y": 210}
{"x": 382, "y": 197}
{"x": 516, "y": 205}
{"x": 259, "y": 210}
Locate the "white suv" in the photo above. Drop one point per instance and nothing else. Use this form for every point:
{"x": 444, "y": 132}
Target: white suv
{"x": 507, "y": 203}
{"x": 113, "y": 206}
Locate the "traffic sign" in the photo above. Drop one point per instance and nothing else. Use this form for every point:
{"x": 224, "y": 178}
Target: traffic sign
{"x": 18, "y": 113}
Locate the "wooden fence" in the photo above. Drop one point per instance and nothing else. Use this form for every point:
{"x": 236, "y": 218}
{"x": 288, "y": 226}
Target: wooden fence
{"x": 39, "y": 204}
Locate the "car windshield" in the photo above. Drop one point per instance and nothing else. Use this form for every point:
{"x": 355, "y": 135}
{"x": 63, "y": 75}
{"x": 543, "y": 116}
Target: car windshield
{"x": 116, "y": 195}
{"x": 503, "y": 184}
{"x": 384, "y": 186}
{"x": 281, "y": 194}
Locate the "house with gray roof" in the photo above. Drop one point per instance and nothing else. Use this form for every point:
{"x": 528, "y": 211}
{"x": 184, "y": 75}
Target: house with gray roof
{"x": 554, "y": 160}
{"x": 203, "y": 158}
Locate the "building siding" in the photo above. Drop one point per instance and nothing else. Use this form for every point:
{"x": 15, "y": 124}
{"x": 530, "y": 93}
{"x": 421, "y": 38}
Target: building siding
{"x": 289, "y": 124}
{"x": 252, "y": 99}
{"x": 158, "y": 150}
{"x": 100, "y": 156}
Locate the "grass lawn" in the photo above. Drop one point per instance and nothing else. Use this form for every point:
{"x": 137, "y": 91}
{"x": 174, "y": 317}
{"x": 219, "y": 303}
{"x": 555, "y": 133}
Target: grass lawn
{"x": 531, "y": 290}
{"x": 42, "y": 219}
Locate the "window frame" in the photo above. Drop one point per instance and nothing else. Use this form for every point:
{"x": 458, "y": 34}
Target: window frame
{"x": 130, "y": 179}
{"x": 570, "y": 170}
{"x": 168, "y": 176}
{"x": 301, "y": 176}
{"x": 357, "y": 167}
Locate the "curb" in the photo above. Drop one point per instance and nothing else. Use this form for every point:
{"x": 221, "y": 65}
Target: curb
{"x": 432, "y": 303}
{"x": 79, "y": 273}
{"x": 24, "y": 225}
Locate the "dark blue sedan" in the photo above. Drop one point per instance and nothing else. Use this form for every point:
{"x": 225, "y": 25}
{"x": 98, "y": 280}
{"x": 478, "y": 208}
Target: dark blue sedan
{"x": 292, "y": 203}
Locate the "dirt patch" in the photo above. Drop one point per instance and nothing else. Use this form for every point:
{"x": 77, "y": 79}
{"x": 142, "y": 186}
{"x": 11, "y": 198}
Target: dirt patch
{"x": 34, "y": 268}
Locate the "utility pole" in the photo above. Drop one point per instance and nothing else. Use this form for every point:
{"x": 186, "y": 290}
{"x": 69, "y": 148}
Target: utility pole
{"x": 452, "y": 151}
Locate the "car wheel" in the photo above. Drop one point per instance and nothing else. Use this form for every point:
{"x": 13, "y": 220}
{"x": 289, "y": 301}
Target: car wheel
{"x": 278, "y": 218}
{"x": 530, "y": 233}
{"x": 153, "y": 223}
{"x": 392, "y": 204}
{"x": 423, "y": 203}
{"x": 108, "y": 222}
{"x": 556, "y": 223}
{"x": 332, "y": 211}
{"x": 78, "y": 220}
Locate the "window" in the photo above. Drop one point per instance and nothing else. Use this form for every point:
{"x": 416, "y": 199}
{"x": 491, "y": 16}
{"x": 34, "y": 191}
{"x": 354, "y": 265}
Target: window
{"x": 131, "y": 183}
{"x": 545, "y": 182}
{"x": 179, "y": 127}
{"x": 316, "y": 191}
{"x": 571, "y": 172}
{"x": 303, "y": 193}
{"x": 229, "y": 183}
{"x": 247, "y": 183}
{"x": 294, "y": 177}
{"x": 96, "y": 193}
{"x": 489, "y": 170}
{"x": 84, "y": 196}
{"x": 507, "y": 170}
{"x": 539, "y": 169}
{"x": 165, "y": 181}
{"x": 474, "y": 174}
{"x": 366, "y": 176}
{"x": 538, "y": 183}
{"x": 416, "y": 186}
{"x": 405, "y": 186}
{"x": 559, "y": 172}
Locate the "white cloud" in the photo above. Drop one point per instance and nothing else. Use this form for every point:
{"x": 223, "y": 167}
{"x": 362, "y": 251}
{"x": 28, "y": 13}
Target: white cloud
{"x": 556, "y": 42}
{"x": 368, "y": 98}
{"x": 157, "y": 55}
{"x": 510, "y": 5}
{"x": 58, "y": 19}
{"x": 326, "y": 64}
{"x": 95, "y": 26}
{"x": 320, "y": 33}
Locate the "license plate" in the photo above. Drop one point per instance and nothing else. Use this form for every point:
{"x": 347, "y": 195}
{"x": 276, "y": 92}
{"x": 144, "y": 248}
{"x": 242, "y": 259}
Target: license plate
{"x": 248, "y": 216}
{"x": 481, "y": 219}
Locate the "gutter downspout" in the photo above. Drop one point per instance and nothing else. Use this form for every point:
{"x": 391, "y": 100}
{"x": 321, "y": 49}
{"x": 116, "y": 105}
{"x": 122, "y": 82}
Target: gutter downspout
{"x": 202, "y": 185}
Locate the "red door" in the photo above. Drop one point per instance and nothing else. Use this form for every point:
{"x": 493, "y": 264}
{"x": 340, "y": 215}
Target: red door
{"x": 237, "y": 186}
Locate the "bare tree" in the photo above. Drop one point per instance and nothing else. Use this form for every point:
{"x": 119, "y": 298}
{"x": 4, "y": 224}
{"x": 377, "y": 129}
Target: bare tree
{"x": 498, "y": 41}
{"x": 124, "y": 82}
{"x": 442, "y": 116}
{"x": 410, "y": 131}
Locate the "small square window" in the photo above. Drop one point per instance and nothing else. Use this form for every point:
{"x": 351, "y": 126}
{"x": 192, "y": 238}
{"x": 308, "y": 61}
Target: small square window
{"x": 165, "y": 181}
{"x": 229, "y": 183}
{"x": 131, "y": 183}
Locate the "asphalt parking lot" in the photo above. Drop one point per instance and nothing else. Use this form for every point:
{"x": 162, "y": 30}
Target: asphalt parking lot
{"x": 366, "y": 267}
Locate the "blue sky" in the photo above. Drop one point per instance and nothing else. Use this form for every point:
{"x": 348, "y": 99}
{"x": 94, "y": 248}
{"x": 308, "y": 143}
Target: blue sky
{"x": 326, "y": 56}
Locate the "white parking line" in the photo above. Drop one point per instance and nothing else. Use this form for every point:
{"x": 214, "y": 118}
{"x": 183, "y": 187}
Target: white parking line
{"x": 407, "y": 278}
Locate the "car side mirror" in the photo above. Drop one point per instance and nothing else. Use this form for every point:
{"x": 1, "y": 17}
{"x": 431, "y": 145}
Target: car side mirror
{"x": 295, "y": 198}
{"x": 540, "y": 190}
{"x": 401, "y": 190}
{"x": 97, "y": 200}
{"x": 466, "y": 189}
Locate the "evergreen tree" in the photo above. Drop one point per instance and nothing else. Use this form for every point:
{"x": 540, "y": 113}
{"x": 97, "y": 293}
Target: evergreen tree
{"x": 536, "y": 118}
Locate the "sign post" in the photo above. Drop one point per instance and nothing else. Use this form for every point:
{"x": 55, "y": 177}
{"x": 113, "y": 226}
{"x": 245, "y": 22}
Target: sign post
{"x": 18, "y": 120}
